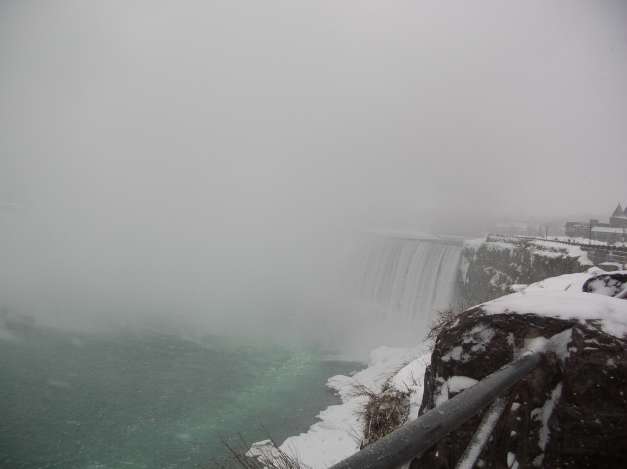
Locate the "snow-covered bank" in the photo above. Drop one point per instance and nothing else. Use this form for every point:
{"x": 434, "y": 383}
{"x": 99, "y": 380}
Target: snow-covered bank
{"x": 338, "y": 433}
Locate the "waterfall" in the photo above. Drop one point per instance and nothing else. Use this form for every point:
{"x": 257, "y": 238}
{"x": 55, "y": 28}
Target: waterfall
{"x": 405, "y": 281}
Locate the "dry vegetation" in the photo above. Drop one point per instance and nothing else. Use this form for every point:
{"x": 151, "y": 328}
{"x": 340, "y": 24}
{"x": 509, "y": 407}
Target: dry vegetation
{"x": 384, "y": 412}
{"x": 443, "y": 320}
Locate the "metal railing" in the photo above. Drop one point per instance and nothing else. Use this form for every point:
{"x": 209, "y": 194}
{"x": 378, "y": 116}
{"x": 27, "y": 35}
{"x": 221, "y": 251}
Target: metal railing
{"x": 416, "y": 437}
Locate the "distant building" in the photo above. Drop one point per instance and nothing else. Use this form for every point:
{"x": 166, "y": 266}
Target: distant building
{"x": 612, "y": 232}
{"x": 619, "y": 217}
{"x": 577, "y": 229}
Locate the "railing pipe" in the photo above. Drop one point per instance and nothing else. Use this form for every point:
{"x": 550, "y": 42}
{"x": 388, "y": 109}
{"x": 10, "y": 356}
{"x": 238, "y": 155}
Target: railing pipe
{"x": 414, "y": 438}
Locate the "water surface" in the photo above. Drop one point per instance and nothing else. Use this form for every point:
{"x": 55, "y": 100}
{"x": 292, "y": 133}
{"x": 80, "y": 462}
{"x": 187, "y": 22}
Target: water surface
{"x": 149, "y": 400}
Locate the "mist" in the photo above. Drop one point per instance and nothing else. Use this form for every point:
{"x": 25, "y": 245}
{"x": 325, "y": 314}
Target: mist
{"x": 211, "y": 165}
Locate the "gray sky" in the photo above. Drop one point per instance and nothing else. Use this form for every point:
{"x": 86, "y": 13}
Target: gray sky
{"x": 183, "y": 154}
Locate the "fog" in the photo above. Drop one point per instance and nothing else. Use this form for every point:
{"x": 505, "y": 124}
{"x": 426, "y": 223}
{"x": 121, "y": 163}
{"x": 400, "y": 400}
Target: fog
{"x": 211, "y": 164}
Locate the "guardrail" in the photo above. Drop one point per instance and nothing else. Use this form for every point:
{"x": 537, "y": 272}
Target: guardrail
{"x": 414, "y": 438}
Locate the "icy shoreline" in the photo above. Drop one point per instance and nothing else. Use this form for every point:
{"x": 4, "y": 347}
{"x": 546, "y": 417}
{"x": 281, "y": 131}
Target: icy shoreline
{"x": 338, "y": 432}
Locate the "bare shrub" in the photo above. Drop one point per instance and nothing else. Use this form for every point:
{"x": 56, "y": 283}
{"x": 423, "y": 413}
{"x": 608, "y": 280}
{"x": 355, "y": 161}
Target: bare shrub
{"x": 384, "y": 411}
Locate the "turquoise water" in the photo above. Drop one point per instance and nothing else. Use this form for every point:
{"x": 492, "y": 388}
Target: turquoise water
{"x": 149, "y": 401}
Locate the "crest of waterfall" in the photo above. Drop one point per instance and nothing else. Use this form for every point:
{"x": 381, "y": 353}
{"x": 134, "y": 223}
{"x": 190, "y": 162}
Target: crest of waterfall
{"x": 405, "y": 281}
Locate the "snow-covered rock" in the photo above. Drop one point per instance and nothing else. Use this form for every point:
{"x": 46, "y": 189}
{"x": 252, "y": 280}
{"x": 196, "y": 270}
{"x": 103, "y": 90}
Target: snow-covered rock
{"x": 572, "y": 410}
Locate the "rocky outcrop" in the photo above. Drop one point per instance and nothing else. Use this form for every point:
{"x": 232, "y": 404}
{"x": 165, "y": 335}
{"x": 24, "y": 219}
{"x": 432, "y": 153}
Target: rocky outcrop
{"x": 571, "y": 412}
{"x": 490, "y": 268}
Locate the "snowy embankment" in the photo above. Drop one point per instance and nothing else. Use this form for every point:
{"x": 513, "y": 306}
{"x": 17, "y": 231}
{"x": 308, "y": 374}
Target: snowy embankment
{"x": 338, "y": 433}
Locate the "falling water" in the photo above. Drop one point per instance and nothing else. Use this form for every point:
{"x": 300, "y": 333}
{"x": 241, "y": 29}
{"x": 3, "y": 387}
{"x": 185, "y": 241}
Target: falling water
{"x": 405, "y": 281}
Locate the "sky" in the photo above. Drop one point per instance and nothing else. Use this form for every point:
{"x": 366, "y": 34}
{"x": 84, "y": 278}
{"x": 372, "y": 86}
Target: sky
{"x": 214, "y": 158}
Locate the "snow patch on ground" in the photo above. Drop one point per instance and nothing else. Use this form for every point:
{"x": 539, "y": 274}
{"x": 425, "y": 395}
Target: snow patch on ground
{"x": 475, "y": 243}
{"x": 480, "y": 336}
{"x": 453, "y": 385}
{"x": 411, "y": 378}
{"x": 456, "y": 354}
{"x": 457, "y": 384}
{"x": 557, "y": 344}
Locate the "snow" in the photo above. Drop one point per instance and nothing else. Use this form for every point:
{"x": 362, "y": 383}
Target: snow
{"x": 455, "y": 354}
{"x": 511, "y": 461}
{"x": 573, "y": 282}
{"x": 480, "y": 336}
{"x": 459, "y": 383}
{"x": 557, "y": 344}
{"x": 455, "y": 384}
{"x": 411, "y": 378}
{"x": 561, "y": 297}
{"x": 553, "y": 249}
{"x": 338, "y": 432}
{"x": 544, "y": 248}
{"x": 474, "y": 244}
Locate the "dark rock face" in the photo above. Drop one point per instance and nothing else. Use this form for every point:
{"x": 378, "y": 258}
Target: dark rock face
{"x": 571, "y": 412}
{"x": 491, "y": 270}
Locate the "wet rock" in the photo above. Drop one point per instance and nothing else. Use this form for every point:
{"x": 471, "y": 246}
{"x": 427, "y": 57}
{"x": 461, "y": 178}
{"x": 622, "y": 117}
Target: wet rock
{"x": 571, "y": 412}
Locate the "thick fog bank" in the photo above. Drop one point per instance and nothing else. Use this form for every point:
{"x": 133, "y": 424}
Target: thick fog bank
{"x": 206, "y": 166}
